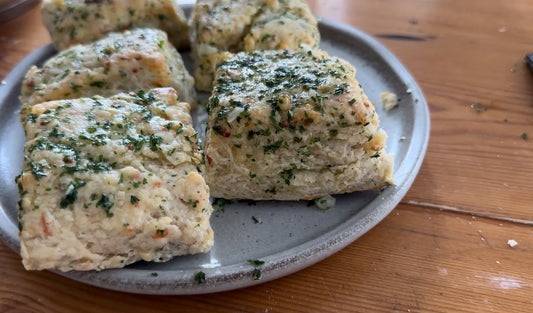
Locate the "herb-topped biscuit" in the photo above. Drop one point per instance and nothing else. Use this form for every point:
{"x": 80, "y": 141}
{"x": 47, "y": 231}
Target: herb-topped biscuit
{"x": 219, "y": 26}
{"x": 292, "y": 125}
{"x": 110, "y": 181}
{"x": 282, "y": 25}
{"x": 72, "y": 22}
{"x": 120, "y": 62}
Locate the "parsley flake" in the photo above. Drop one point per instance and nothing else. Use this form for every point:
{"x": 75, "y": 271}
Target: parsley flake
{"x": 199, "y": 277}
{"x": 256, "y": 274}
{"x": 134, "y": 199}
{"x": 255, "y": 262}
{"x": 106, "y": 204}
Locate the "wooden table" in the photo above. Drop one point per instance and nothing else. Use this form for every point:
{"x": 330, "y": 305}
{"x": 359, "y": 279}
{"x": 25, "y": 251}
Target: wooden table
{"x": 445, "y": 246}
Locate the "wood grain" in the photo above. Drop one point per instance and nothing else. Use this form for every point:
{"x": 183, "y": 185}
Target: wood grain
{"x": 444, "y": 248}
{"x": 19, "y": 37}
{"x": 473, "y": 54}
{"x": 417, "y": 259}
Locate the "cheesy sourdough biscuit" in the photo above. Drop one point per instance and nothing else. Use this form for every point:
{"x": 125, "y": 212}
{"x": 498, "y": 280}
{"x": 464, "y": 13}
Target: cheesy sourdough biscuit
{"x": 292, "y": 125}
{"x": 72, "y": 22}
{"x": 220, "y": 26}
{"x": 110, "y": 181}
{"x": 283, "y": 25}
{"x": 120, "y": 62}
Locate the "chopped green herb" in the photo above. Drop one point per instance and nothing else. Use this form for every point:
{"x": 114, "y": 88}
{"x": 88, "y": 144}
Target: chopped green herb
{"x": 256, "y": 274}
{"x": 134, "y": 199}
{"x": 287, "y": 176}
{"x": 155, "y": 141}
{"x": 56, "y": 133}
{"x": 65, "y": 74}
{"x": 255, "y": 262}
{"x": 32, "y": 117}
{"x": 72, "y": 33}
{"x": 98, "y": 84}
{"x": 106, "y": 204}
{"x": 272, "y": 190}
{"x": 265, "y": 37}
{"x": 338, "y": 91}
{"x": 171, "y": 152}
{"x": 134, "y": 143}
{"x": 97, "y": 140}
{"x": 199, "y": 277}
{"x": 37, "y": 170}
{"x": 272, "y": 148}
{"x": 72, "y": 169}
{"x": 71, "y": 195}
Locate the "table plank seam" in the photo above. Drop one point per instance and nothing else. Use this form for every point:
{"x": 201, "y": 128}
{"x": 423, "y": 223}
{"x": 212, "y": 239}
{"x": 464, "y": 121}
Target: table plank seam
{"x": 447, "y": 208}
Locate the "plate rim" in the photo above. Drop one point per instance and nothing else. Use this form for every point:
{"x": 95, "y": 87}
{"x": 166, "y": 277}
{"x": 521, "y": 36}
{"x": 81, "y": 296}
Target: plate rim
{"x": 234, "y": 276}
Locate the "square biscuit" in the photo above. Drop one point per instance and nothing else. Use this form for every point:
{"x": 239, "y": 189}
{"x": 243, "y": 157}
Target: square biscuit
{"x": 80, "y": 22}
{"x": 219, "y": 26}
{"x": 110, "y": 181}
{"x": 291, "y": 125}
{"x": 120, "y": 62}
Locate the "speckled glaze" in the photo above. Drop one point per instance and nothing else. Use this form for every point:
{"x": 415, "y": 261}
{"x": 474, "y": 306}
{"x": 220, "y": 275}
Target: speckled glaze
{"x": 287, "y": 236}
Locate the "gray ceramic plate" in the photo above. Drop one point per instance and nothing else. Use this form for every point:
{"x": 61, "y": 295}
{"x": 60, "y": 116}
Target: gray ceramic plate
{"x": 290, "y": 235}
